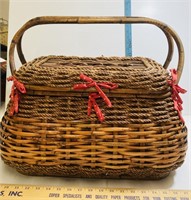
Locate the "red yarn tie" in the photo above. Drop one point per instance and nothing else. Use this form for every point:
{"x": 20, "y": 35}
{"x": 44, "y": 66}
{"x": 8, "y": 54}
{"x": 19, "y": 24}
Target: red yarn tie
{"x": 92, "y": 103}
{"x": 94, "y": 96}
{"x": 16, "y": 89}
{"x": 176, "y": 89}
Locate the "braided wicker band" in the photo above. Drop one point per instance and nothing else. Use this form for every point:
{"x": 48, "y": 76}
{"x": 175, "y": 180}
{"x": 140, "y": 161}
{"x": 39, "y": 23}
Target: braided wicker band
{"x": 87, "y": 172}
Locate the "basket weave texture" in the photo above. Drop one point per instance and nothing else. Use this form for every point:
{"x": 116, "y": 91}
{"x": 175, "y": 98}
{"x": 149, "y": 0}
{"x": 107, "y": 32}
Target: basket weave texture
{"x": 139, "y": 131}
{"x": 131, "y": 130}
{"x": 134, "y": 74}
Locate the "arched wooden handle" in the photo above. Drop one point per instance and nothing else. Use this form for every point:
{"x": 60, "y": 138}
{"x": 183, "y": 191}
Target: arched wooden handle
{"x": 168, "y": 31}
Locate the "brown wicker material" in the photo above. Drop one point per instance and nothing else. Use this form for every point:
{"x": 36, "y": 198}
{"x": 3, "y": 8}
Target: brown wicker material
{"x": 3, "y": 66}
{"x": 142, "y": 136}
{"x": 3, "y": 32}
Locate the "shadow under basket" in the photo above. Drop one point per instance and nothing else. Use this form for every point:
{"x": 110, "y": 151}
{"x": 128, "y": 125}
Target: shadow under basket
{"x": 132, "y": 129}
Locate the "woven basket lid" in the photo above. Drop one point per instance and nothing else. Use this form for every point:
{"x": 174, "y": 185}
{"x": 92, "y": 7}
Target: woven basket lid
{"x": 61, "y": 73}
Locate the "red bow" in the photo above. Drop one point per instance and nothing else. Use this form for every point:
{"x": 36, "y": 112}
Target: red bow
{"x": 176, "y": 89}
{"x": 15, "y": 95}
{"x": 93, "y": 96}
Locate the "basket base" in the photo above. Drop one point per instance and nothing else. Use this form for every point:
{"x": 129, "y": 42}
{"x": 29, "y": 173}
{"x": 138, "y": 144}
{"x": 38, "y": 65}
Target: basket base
{"x": 85, "y": 172}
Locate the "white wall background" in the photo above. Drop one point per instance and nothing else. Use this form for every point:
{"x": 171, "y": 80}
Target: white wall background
{"x": 95, "y": 40}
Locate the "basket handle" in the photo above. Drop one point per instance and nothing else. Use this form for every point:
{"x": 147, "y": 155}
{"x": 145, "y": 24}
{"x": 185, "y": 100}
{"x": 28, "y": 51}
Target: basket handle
{"x": 168, "y": 31}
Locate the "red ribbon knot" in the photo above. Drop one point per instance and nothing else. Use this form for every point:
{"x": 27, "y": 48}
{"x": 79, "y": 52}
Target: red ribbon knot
{"x": 176, "y": 89}
{"x": 93, "y": 96}
{"x": 16, "y": 89}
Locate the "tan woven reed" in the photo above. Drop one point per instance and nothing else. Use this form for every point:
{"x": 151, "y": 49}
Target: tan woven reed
{"x": 141, "y": 137}
{"x": 3, "y": 32}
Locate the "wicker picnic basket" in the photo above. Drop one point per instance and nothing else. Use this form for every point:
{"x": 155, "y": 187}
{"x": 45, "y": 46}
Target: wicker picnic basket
{"x": 96, "y": 117}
